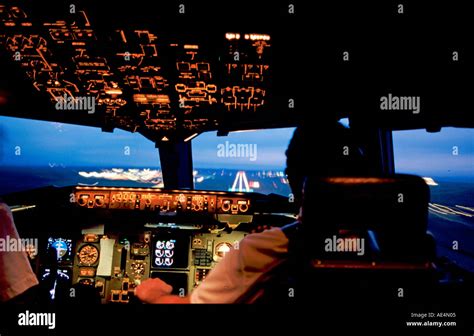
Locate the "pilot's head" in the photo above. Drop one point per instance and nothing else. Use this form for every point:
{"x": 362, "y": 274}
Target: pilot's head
{"x": 329, "y": 149}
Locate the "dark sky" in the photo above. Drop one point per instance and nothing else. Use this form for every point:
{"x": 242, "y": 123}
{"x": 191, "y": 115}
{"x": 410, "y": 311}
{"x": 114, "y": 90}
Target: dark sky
{"x": 434, "y": 154}
{"x": 42, "y": 143}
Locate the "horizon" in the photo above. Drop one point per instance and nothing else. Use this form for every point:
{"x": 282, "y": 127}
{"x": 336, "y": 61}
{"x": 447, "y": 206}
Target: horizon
{"x": 44, "y": 144}
{"x": 445, "y": 178}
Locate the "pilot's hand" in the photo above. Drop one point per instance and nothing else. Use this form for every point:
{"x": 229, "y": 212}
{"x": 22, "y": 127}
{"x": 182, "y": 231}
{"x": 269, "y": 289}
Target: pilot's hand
{"x": 152, "y": 290}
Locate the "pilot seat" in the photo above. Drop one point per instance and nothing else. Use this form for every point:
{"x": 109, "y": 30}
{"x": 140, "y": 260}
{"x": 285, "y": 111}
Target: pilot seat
{"x": 361, "y": 240}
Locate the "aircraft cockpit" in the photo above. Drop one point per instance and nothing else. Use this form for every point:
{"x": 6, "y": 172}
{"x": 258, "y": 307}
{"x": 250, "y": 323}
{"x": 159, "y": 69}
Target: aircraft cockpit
{"x": 148, "y": 141}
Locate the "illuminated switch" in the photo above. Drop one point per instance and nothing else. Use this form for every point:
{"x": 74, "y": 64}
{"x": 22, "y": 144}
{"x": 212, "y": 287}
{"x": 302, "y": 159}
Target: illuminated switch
{"x": 258, "y": 96}
{"x": 180, "y": 87}
{"x": 124, "y": 297}
{"x": 100, "y": 288}
{"x": 150, "y": 50}
{"x": 115, "y": 296}
{"x": 125, "y": 285}
{"x": 228, "y": 97}
{"x": 244, "y": 97}
{"x": 183, "y": 66}
{"x": 146, "y": 83}
{"x": 203, "y": 66}
{"x": 87, "y": 272}
{"x": 143, "y": 38}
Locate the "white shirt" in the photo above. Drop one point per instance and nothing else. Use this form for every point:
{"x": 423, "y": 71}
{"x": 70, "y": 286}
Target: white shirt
{"x": 16, "y": 275}
{"x": 241, "y": 268}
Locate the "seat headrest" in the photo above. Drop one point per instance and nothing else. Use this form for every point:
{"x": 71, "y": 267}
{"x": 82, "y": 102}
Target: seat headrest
{"x": 393, "y": 204}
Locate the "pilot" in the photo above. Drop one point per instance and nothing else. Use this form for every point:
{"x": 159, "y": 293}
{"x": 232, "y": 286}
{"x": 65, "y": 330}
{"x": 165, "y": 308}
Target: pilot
{"x": 333, "y": 152}
{"x": 16, "y": 275}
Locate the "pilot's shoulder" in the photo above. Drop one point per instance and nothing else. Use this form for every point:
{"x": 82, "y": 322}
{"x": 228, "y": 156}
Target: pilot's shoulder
{"x": 7, "y": 226}
{"x": 273, "y": 239}
{"x": 5, "y": 212}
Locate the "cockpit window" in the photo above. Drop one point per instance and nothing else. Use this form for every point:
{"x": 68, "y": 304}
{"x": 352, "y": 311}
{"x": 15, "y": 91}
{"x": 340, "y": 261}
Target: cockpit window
{"x": 446, "y": 161}
{"x": 251, "y": 161}
{"x": 38, "y": 153}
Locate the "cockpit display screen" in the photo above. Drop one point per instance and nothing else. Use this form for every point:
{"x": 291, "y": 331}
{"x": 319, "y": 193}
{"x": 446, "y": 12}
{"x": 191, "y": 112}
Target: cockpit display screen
{"x": 170, "y": 251}
{"x": 62, "y": 248}
{"x": 57, "y": 283}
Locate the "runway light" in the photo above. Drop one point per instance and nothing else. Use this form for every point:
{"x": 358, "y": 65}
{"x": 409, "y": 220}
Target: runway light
{"x": 254, "y": 184}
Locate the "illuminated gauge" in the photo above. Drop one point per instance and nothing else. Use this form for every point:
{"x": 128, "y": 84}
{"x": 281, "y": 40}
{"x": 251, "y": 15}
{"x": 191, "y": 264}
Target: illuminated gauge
{"x": 61, "y": 274}
{"x": 182, "y": 198}
{"x": 61, "y": 246}
{"x": 159, "y": 253}
{"x": 87, "y": 282}
{"x": 160, "y": 244}
{"x": 169, "y": 253}
{"x": 46, "y": 274}
{"x": 138, "y": 268}
{"x": 88, "y": 255}
{"x": 226, "y": 205}
{"x": 223, "y": 248}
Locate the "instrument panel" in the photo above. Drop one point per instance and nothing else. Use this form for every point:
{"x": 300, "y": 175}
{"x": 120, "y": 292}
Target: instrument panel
{"x": 112, "y": 265}
{"x": 205, "y": 202}
{"x": 96, "y": 244}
